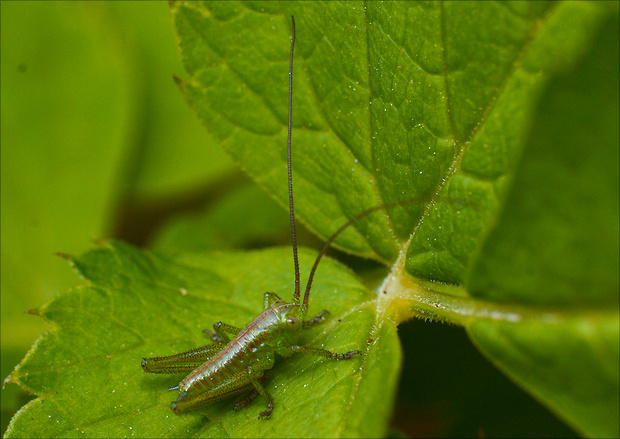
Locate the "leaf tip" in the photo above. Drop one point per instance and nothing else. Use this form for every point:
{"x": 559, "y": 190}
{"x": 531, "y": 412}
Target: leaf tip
{"x": 180, "y": 83}
{"x": 99, "y": 242}
{"x": 65, "y": 256}
{"x": 8, "y": 380}
{"x": 34, "y": 312}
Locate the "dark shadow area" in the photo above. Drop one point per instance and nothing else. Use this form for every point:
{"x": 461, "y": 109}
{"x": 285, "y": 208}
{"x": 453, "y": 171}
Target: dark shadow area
{"x": 137, "y": 220}
{"x": 448, "y": 389}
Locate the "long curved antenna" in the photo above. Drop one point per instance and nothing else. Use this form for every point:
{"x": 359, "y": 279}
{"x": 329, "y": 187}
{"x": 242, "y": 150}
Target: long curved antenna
{"x": 331, "y": 239}
{"x": 290, "y": 174}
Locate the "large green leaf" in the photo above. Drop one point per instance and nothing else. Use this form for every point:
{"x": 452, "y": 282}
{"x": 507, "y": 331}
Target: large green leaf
{"x": 393, "y": 101}
{"x": 86, "y": 369}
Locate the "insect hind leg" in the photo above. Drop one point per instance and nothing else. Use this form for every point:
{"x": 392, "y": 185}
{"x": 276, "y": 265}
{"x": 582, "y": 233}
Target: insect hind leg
{"x": 219, "y": 336}
{"x": 189, "y": 402}
{"x": 246, "y": 401}
{"x": 183, "y": 362}
{"x": 266, "y": 414}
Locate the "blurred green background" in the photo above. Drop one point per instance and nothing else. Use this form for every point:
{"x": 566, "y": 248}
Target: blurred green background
{"x": 94, "y": 131}
{"x": 97, "y": 142}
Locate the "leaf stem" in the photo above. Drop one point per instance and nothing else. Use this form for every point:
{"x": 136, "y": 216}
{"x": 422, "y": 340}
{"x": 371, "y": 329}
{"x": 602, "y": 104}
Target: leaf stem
{"x": 404, "y": 297}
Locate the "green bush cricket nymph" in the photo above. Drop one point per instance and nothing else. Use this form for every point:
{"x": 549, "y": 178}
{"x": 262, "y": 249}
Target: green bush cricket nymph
{"x": 229, "y": 367}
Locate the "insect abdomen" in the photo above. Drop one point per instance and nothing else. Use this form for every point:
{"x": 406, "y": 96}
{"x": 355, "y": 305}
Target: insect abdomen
{"x": 230, "y": 365}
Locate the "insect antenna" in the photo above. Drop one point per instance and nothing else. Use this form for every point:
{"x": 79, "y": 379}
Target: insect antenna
{"x": 304, "y": 308}
{"x": 297, "y": 293}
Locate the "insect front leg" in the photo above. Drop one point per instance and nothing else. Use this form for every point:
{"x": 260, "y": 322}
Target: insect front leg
{"x": 321, "y": 352}
{"x": 318, "y": 319}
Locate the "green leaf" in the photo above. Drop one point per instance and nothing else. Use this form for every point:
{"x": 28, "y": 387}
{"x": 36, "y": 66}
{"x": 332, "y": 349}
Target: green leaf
{"x": 86, "y": 369}
{"x": 373, "y": 101}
